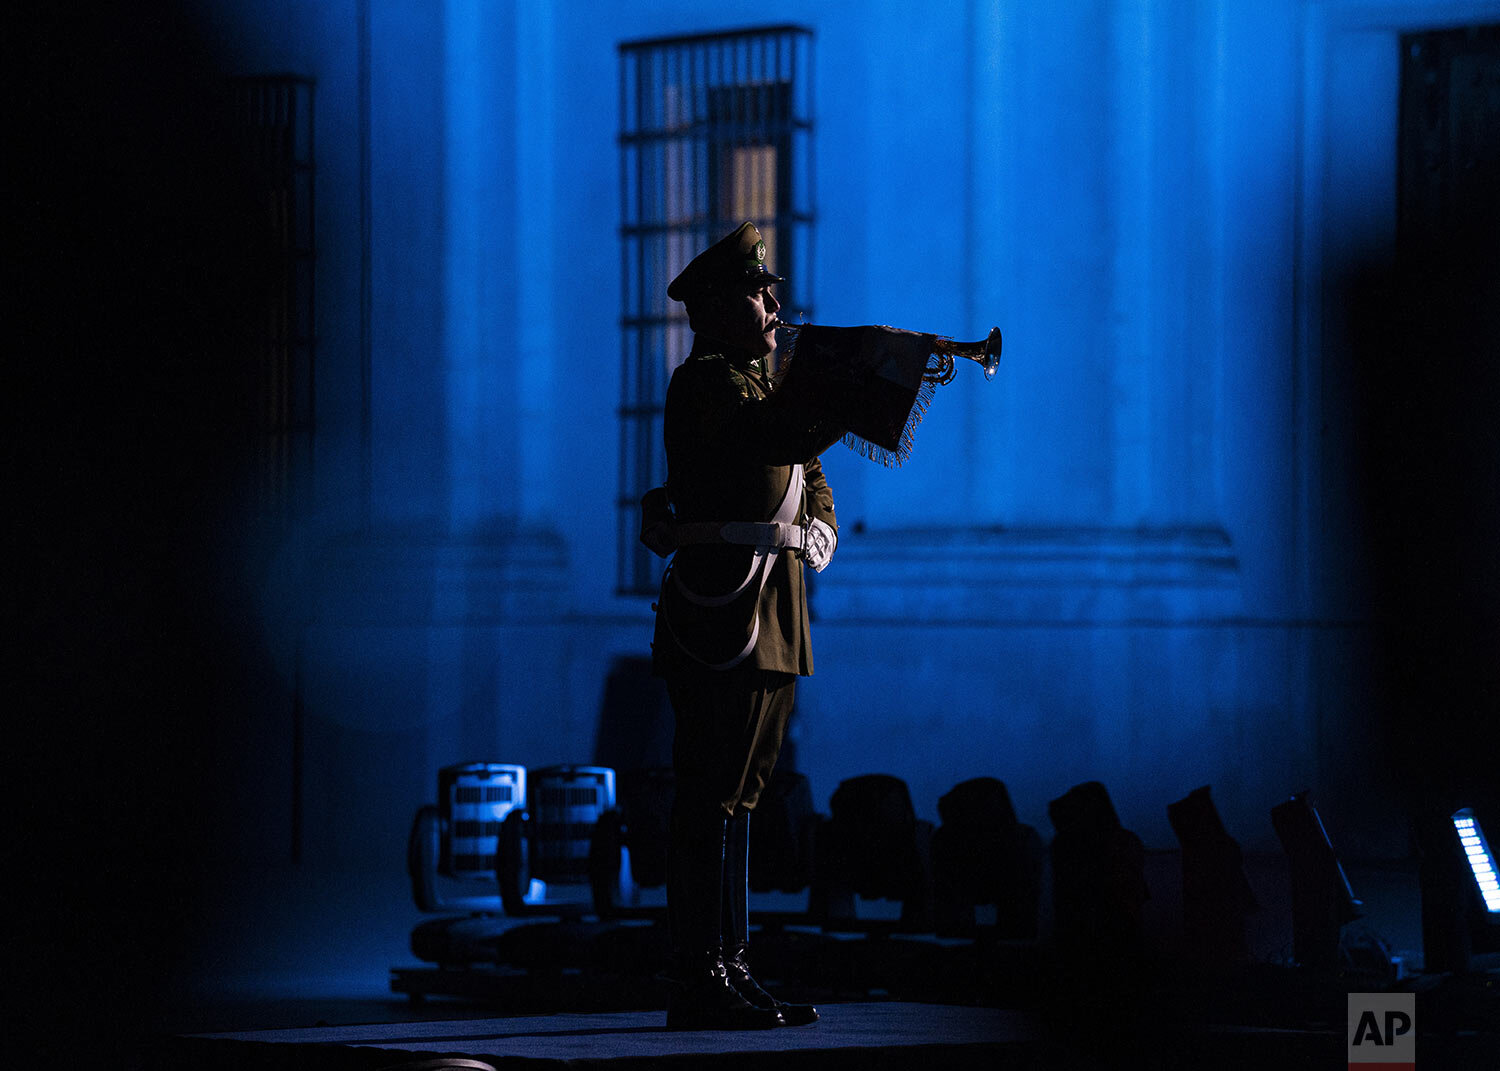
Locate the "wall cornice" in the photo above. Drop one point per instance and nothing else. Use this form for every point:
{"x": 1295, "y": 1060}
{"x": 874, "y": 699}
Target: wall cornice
{"x": 1043, "y": 573}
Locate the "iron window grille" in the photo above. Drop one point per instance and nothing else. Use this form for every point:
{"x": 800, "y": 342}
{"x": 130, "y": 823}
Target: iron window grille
{"x": 715, "y": 129}
{"x": 273, "y": 121}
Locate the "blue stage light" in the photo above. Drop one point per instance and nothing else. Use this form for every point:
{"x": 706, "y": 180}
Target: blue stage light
{"x": 1481, "y": 862}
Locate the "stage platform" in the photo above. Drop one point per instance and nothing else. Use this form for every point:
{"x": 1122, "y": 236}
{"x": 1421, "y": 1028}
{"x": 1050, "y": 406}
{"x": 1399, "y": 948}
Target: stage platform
{"x": 868, "y": 1035}
{"x": 1279, "y": 1020}
{"x": 880, "y": 1036}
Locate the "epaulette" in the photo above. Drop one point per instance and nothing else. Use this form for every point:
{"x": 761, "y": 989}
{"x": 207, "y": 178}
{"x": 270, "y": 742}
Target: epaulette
{"x": 734, "y": 374}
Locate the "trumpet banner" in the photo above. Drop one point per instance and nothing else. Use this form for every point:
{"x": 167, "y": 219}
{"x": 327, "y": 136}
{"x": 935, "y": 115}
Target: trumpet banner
{"x": 868, "y": 380}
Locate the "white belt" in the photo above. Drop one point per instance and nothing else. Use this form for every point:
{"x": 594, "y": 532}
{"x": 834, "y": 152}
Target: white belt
{"x": 779, "y": 534}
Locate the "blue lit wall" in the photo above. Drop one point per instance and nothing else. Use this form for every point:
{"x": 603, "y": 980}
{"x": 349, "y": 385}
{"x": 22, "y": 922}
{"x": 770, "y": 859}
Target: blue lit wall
{"x": 1131, "y": 557}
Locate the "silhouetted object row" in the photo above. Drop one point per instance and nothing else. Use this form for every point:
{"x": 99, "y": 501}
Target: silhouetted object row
{"x": 980, "y": 864}
{"x": 871, "y": 846}
{"x": 577, "y": 845}
{"x": 589, "y": 851}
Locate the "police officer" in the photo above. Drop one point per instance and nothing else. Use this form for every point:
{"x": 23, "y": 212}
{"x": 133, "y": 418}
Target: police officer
{"x": 749, "y": 509}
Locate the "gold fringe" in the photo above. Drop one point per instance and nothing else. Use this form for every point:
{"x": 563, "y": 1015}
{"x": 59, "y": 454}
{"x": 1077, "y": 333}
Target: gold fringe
{"x": 894, "y": 459}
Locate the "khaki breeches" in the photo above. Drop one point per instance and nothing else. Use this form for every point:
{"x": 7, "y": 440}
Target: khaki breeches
{"x": 728, "y": 733}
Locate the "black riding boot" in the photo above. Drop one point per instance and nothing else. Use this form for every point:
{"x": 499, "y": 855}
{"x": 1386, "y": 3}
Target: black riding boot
{"x": 703, "y": 998}
{"x": 735, "y": 927}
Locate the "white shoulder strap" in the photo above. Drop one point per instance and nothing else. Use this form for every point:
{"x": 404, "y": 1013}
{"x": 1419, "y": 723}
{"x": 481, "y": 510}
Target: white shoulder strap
{"x": 760, "y": 572}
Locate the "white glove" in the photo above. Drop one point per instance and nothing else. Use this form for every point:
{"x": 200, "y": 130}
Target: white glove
{"x": 820, "y": 543}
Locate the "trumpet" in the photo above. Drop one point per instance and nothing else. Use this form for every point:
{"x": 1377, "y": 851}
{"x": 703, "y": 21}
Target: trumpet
{"x": 985, "y": 352}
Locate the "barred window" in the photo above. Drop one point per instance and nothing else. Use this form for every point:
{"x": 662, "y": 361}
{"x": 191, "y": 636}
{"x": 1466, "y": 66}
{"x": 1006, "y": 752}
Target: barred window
{"x": 273, "y": 120}
{"x": 715, "y": 129}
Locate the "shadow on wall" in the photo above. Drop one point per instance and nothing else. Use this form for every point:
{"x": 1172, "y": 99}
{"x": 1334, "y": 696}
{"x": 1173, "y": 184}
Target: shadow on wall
{"x": 1423, "y": 329}
{"x": 129, "y": 327}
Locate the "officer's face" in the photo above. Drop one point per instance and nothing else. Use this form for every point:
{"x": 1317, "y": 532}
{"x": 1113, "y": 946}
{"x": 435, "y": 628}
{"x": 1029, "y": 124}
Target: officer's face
{"x": 747, "y": 320}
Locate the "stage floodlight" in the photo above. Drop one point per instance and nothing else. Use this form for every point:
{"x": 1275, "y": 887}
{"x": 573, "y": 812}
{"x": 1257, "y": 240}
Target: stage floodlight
{"x": 985, "y": 862}
{"x": 1481, "y": 861}
{"x": 1460, "y": 892}
{"x": 1098, "y": 878}
{"x": 1322, "y": 901}
{"x": 1216, "y": 895}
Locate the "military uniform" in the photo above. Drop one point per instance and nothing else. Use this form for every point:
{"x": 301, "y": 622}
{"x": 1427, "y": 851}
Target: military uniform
{"x": 731, "y": 632}
{"x": 731, "y": 455}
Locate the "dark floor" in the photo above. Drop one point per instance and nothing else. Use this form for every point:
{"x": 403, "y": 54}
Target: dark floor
{"x": 860, "y": 1035}
{"x": 633, "y": 1038}
{"x": 316, "y": 977}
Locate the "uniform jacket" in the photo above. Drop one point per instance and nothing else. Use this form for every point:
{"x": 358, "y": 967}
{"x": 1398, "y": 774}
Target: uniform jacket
{"x": 731, "y": 444}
